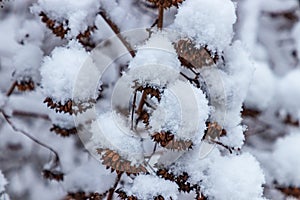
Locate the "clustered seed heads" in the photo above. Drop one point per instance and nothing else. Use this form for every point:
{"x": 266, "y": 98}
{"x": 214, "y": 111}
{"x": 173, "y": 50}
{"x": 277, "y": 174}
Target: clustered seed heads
{"x": 53, "y": 175}
{"x": 64, "y": 132}
{"x": 70, "y": 106}
{"x": 85, "y": 38}
{"x": 59, "y": 107}
{"x": 166, "y": 3}
{"x": 113, "y": 160}
{"x": 167, "y": 140}
{"x": 290, "y": 191}
{"x": 57, "y": 28}
{"x": 84, "y": 196}
{"x": 181, "y": 180}
{"x": 193, "y": 57}
{"x": 25, "y": 85}
{"x": 122, "y": 195}
{"x": 214, "y": 130}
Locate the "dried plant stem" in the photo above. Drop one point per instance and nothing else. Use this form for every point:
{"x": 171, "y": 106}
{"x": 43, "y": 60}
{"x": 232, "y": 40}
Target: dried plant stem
{"x": 12, "y": 125}
{"x": 112, "y": 190}
{"x": 116, "y": 30}
{"x": 133, "y": 108}
{"x": 11, "y": 89}
{"x": 30, "y": 114}
{"x": 140, "y": 107}
{"x": 160, "y": 20}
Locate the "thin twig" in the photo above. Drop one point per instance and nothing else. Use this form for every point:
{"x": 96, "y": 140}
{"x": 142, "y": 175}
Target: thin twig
{"x": 112, "y": 190}
{"x": 7, "y": 118}
{"x": 160, "y": 20}
{"x": 191, "y": 80}
{"x": 223, "y": 145}
{"x": 11, "y": 89}
{"x": 30, "y": 114}
{"x": 133, "y": 108}
{"x": 116, "y": 30}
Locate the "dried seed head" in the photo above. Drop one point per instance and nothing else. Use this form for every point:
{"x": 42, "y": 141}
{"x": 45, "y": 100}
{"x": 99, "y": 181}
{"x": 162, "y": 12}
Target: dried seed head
{"x": 53, "y": 175}
{"x": 114, "y": 161}
{"x": 25, "y": 85}
{"x": 193, "y": 57}
{"x": 166, "y": 3}
{"x": 168, "y": 141}
{"x": 85, "y": 38}
{"x": 214, "y": 130}
{"x": 122, "y": 195}
{"x": 290, "y": 191}
{"x": 56, "y": 28}
{"x": 63, "y": 131}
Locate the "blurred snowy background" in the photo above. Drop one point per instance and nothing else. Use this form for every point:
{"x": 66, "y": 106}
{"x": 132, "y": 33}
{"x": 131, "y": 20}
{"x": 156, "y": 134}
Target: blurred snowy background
{"x": 256, "y": 47}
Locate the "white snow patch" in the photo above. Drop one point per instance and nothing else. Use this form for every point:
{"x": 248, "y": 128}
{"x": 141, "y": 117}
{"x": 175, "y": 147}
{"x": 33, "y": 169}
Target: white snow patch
{"x": 155, "y": 63}
{"x": 262, "y": 88}
{"x": 147, "y": 187}
{"x": 59, "y": 72}
{"x": 234, "y": 177}
{"x": 207, "y": 22}
{"x": 289, "y": 94}
{"x": 285, "y": 160}
{"x": 80, "y": 14}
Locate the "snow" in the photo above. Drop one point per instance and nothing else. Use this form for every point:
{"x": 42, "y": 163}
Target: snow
{"x": 266, "y": 81}
{"x": 228, "y": 88}
{"x": 59, "y": 72}
{"x": 155, "y": 63}
{"x": 110, "y": 132}
{"x": 285, "y": 160}
{"x": 180, "y": 105}
{"x": 2, "y": 100}
{"x": 263, "y": 87}
{"x": 289, "y": 94}
{"x": 79, "y": 14}
{"x": 295, "y": 34}
{"x": 27, "y": 62}
{"x": 279, "y": 6}
{"x": 91, "y": 175}
{"x": 7, "y": 38}
{"x": 62, "y": 120}
{"x": 141, "y": 189}
{"x": 3, "y": 183}
{"x": 123, "y": 14}
{"x": 234, "y": 177}
{"x": 207, "y": 22}
{"x": 31, "y": 32}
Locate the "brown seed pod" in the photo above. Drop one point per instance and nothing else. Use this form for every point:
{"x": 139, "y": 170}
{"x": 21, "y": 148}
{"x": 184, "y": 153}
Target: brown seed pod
{"x": 69, "y": 106}
{"x": 181, "y": 180}
{"x": 192, "y": 57}
{"x": 166, "y": 3}
{"x": 63, "y": 131}
{"x": 113, "y": 160}
{"x": 56, "y": 28}
{"x": 122, "y": 195}
{"x": 53, "y": 175}
{"x": 84, "y": 196}
{"x": 214, "y": 130}
{"x": 25, "y": 85}
{"x": 149, "y": 90}
{"x": 289, "y": 191}
{"x": 85, "y": 38}
{"x": 167, "y": 140}
{"x": 159, "y": 197}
